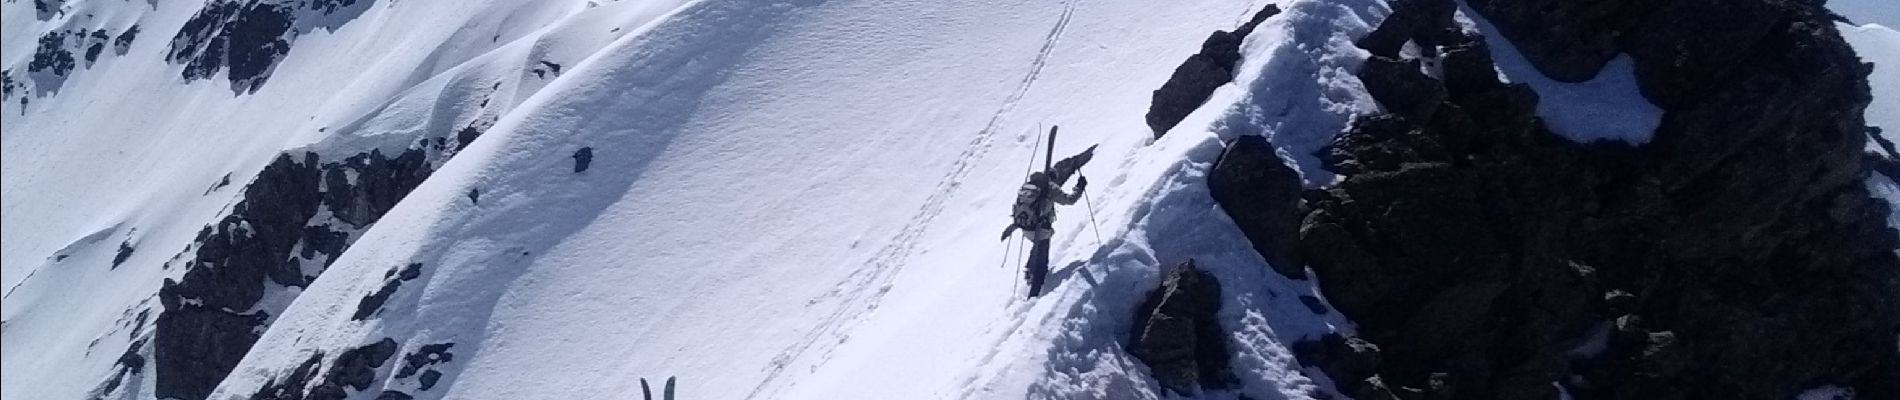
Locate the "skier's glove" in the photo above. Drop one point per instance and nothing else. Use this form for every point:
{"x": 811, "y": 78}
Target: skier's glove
{"x": 1081, "y": 182}
{"x": 1007, "y": 231}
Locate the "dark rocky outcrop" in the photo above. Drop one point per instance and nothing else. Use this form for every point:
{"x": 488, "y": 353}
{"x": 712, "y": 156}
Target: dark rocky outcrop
{"x": 1178, "y": 335}
{"x": 1566, "y": 40}
{"x": 58, "y": 54}
{"x": 428, "y": 379}
{"x": 247, "y": 38}
{"x": 1736, "y": 256}
{"x": 391, "y": 282}
{"x": 583, "y": 158}
{"x": 426, "y": 356}
{"x": 393, "y": 395}
{"x": 292, "y": 386}
{"x": 1262, "y": 195}
{"x": 257, "y": 245}
{"x": 381, "y": 182}
{"x": 354, "y": 369}
{"x": 1203, "y": 72}
{"x": 47, "y": 9}
{"x": 52, "y": 56}
{"x": 8, "y": 85}
{"x": 129, "y": 363}
{"x": 1350, "y": 361}
{"x": 125, "y": 253}
{"x": 123, "y": 42}
{"x": 196, "y": 346}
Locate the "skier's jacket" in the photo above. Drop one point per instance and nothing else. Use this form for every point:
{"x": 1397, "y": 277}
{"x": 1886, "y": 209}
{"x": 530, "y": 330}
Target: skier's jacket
{"x": 1035, "y": 210}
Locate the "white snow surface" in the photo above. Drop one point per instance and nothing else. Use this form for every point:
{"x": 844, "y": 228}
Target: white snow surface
{"x": 791, "y": 199}
{"x": 1607, "y": 107}
{"x": 1879, "y": 45}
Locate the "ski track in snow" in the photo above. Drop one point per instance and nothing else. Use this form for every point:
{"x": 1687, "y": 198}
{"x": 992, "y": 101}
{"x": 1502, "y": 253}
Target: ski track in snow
{"x": 869, "y": 284}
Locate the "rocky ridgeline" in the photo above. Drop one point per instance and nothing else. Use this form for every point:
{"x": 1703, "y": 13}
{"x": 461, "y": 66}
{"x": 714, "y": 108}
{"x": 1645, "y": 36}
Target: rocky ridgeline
{"x": 1736, "y": 256}
{"x": 295, "y": 218}
{"x": 246, "y": 38}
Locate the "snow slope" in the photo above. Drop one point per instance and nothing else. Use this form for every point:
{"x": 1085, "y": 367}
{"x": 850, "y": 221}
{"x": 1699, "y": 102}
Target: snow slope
{"x": 127, "y": 153}
{"x": 769, "y": 215}
{"x": 1881, "y": 46}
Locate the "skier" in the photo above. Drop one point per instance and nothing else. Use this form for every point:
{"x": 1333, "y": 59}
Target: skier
{"x": 1035, "y": 210}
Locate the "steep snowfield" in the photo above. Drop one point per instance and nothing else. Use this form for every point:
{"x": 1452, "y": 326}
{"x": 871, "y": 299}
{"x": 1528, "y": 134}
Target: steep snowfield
{"x": 126, "y": 152}
{"x": 786, "y": 200}
{"x": 805, "y": 205}
{"x": 1881, "y": 46}
{"x": 1876, "y": 40}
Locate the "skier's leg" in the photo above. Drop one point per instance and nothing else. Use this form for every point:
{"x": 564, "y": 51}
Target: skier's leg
{"x": 1038, "y": 266}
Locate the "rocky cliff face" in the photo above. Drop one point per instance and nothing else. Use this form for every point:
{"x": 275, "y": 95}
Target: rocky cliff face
{"x": 296, "y": 217}
{"x": 1737, "y": 256}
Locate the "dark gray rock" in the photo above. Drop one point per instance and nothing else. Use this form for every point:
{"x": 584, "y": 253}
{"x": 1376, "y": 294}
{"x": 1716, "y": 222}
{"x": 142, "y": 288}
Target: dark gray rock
{"x": 253, "y": 247}
{"x": 391, "y": 282}
{"x": 1739, "y": 252}
{"x": 1314, "y": 304}
{"x": 582, "y": 158}
{"x": 195, "y": 348}
{"x": 356, "y": 368}
{"x": 1178, "y": 335}
{"x": 123, "y": 42}
{"x": 52, "y": 56}
{"x": 427, "y": 355}
{"x": 291, "y": 386}
{"x": 1419, "y": 21}
{"x": 1351, "y": 361}
{"x": 393, "y": 395}
{"x": 1402, "y": 87}
{"x": 466, "y": 135}
{"x": 1195, "y": 80}
{"x": 125, "y": 253}
{"x": 247, "y": 38}
{"x": 429, "y": 379}
{"x": 1568, "y": 41}
{"x": 1256, "y": 188}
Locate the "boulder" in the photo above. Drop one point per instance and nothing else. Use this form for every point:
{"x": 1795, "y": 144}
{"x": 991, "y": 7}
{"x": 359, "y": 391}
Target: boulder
{"x": 1262, "y": 195}
{"x": 1178, "y": 335}
{"x": 1197, "y": 78}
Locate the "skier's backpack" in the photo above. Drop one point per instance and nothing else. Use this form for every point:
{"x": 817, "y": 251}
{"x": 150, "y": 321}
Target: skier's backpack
{"x": 1029, "y": 206}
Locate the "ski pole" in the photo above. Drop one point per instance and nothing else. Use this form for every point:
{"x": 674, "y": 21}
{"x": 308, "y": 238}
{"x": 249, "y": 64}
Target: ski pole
{"x": 1098, "y": 227}
{"x": 1006, "y": 249}
{"x": 1019, "y": 270}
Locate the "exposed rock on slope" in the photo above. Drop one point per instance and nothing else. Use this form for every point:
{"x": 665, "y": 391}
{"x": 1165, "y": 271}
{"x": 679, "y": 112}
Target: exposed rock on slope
{"x": 1177, "y": 333}
{"x": 1262, "y": 195}
{"x": 296, "y": 217}
{"x": 1203, "y": 72}
{"x": 249, "y": 37}
{"x": 1737, "y": 256}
